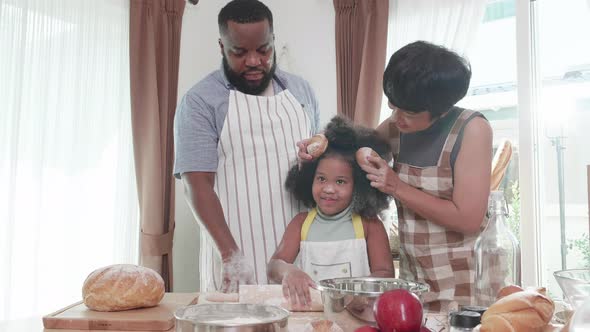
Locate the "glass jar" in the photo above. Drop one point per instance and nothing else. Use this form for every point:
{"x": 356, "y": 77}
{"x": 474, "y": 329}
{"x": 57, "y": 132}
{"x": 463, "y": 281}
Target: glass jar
{"x": 497, "y": 254}
{"x": 581, "y": 319}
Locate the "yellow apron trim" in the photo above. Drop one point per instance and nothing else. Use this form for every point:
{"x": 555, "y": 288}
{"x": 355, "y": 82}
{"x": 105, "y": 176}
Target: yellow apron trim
{"x": 357, "y": 223}
{"x": 307, "y": 223}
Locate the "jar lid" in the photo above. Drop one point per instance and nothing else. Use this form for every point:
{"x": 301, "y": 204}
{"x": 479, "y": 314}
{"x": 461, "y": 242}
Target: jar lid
{"x": 465, "y": 319}
{"x": 474, "y": 308}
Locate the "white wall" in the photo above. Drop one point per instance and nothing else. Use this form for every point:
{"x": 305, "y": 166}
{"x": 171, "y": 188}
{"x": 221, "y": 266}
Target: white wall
{"x": 305, "y": 45}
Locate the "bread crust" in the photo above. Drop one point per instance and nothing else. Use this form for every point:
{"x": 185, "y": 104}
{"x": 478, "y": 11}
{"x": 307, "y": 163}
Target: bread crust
{"x": 505, "y": 291}
{"x": 122, "y": 287}
{"x": 317, "y": 145}
{"x": 522, "y": 311}
{"x": 363, "y": 153}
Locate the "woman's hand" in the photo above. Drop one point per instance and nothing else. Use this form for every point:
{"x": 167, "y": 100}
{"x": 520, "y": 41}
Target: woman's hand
{"x": 296, "y": 285}
{"x": 382, "y": 177}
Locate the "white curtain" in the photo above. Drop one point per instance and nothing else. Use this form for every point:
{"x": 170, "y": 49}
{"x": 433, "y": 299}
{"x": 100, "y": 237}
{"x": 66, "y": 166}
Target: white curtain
{"x": 451, "y": 23}
{"x": 68, "y": 201}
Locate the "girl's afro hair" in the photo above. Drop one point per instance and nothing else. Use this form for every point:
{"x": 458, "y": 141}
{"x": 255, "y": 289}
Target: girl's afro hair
{"x": 344, "y": 139}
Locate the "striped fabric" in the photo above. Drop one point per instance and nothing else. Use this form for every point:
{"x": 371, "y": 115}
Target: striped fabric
{"x": 256, "y": 149}
{"x": 429, "y": 252}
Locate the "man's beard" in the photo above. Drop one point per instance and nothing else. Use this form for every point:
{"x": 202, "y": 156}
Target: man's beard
{"x": 242, "y": 85}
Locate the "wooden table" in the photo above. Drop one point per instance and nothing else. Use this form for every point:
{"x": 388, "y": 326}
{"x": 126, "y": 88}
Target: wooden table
{"x": 297, "y": 322}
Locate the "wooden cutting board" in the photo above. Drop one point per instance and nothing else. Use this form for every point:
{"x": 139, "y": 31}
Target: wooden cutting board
{"x": 159, "y": 318}
{"x": 273, "y": 294}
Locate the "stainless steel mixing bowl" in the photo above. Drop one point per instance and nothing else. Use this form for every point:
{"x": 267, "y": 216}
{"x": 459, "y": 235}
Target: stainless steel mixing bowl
{"x": 231, "y": 317}
{"x": 349, "y": 301}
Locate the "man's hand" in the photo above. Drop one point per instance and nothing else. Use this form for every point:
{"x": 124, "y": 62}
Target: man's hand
{"x": 236, "y": 271}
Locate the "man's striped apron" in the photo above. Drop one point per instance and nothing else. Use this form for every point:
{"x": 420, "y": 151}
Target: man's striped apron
{"x": 256, "y": 148}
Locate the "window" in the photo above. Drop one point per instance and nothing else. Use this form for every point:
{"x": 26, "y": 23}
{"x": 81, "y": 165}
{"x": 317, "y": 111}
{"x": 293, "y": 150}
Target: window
{"x": 562, "y": 67}
{"x": 562, "y": 116}
{"x": 533, "y": 85}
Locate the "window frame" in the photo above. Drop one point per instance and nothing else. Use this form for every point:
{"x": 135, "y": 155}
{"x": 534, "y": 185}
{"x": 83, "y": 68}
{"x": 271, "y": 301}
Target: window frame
{"x": 528, "y": 133}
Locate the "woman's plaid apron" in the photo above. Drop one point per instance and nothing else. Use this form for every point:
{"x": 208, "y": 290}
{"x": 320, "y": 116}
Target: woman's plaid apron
{"x": 429, "y": 252}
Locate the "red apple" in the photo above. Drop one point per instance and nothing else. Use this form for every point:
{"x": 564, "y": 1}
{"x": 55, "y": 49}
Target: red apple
{"x": 367, "y": 328}
{"x": 398, "y": 310}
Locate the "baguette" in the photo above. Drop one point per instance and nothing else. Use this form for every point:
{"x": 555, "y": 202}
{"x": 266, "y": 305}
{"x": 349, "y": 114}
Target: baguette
{"x": 122, "y": 287}
{"x": 524, "y": 311}
{"x": 500, "y": 164}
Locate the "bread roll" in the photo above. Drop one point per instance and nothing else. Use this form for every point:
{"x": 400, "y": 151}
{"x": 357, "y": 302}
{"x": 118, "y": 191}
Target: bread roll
{"x": 500, "y": 164}
{"x": 525, "y": 311}
{"x": 317, "y": 145}
{"x": 363, "y": 153}
{"x": 122, "y": 287}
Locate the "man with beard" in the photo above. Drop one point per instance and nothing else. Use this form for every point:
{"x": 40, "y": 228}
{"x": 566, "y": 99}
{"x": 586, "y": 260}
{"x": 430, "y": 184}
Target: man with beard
{"x": 236, "y": 133}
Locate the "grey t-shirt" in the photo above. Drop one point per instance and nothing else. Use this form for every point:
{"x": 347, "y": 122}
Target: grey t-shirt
{"x": 201, "y": 113}
{"x": 326, "y": 228}
{"x": 423, "y": 148}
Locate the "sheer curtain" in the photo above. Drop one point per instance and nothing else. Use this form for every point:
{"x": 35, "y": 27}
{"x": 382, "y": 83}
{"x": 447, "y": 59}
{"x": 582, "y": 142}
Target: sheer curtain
{"x": 452, "y": 23}
{"x": 68, "y": 201}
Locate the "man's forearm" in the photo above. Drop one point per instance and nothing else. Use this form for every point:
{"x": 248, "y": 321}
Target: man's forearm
{"x": 206, "y": 206}
{"x": 211, "y": 215}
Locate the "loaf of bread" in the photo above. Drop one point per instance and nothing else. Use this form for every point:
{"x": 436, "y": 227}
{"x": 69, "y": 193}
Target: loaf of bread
{"x": 500, "y": 164}
{"x": 524, "y": 311}
{"x": 122, "y": 287}
{"x": 317, "y": 145}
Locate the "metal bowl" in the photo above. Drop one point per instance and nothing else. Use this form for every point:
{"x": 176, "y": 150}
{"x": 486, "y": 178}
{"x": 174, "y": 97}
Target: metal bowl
{"x": 349, "y": 301}
{"x": 575, "y": 285}
{"x": 232, "y": 317}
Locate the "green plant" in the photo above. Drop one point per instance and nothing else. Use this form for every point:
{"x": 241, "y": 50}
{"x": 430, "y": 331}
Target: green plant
{"x": 581, "y": 245}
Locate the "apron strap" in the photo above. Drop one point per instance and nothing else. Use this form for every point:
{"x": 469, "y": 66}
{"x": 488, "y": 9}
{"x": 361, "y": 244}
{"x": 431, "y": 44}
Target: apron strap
{"x": 357, "y": 223}
{"x": 445, "y": 155}
{"x": 279, "y": 82}
{"x": 307, "y": 223}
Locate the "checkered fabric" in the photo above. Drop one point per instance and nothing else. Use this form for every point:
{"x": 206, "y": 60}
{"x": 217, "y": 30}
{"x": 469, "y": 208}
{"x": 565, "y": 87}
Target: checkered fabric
{"x": 429, "y": 252}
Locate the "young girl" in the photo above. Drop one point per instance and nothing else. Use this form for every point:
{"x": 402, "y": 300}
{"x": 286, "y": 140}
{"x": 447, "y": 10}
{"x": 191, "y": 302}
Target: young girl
{"x": 341, "y": 235}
